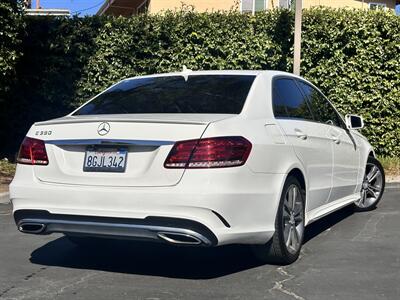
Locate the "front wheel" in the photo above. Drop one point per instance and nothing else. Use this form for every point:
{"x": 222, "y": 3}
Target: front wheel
{"x": 285, "y": 245}
{"x": 372, "y": 187}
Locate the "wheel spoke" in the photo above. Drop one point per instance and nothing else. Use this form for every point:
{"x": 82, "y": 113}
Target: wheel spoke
{"x": 298, "y": 219}
{"x": 299, "y": 231}
{"x": 363, "y": 196}
{"x": 297, "y": 213}
{"x": 372, "y": 192}
{"x": 375, "y": 188}
{"x": 292, "y": 240}
{"x": 286, "y": 208}
{"x": 289, "y": 237}
{"x": 295, "y": 239}
{"x": 372, "y": 174}
{"x": 286, "y": 231}
{"x": 298, "y": 209}
{"x": 294, "y": 198}
{"x": 290, "y": 199}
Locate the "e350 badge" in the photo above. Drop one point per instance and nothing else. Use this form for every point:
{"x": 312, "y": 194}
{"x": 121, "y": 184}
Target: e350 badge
{"x": 43, "y": 132}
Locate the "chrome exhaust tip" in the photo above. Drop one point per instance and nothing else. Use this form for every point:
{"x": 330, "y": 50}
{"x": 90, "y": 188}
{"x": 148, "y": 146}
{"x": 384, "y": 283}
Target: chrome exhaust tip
{"x": 33, "y": 228}
{"x": 179, "y": 238}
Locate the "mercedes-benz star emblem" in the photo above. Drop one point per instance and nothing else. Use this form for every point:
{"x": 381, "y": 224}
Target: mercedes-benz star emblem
{"x": 103, "y": 128}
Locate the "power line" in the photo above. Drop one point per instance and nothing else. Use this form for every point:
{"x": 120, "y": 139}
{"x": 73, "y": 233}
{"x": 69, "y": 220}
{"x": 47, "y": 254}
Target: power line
{"x": 85, "y": 9}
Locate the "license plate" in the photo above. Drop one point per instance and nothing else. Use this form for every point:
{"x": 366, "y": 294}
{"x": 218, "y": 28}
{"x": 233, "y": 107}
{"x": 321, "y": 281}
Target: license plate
{"x": 105, "y": 160}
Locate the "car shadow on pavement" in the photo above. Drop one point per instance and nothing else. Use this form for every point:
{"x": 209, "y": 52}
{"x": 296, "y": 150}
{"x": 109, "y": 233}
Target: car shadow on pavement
{"x": 326, "y": 222}
{"x": 156, "y": 259}
{"x": 153, "y": 259}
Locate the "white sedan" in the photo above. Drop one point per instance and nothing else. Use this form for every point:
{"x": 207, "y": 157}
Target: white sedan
{"x": 196, "y": 158}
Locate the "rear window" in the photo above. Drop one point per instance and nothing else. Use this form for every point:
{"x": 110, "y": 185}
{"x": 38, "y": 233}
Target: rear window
{"x": 199, "y": 94}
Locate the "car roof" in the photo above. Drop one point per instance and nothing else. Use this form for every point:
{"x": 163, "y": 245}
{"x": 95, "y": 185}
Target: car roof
{"x": 189, "y": 72}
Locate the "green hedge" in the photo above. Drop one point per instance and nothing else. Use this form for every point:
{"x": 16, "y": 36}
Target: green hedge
{"x": 11, "y": 29}
{"x": 353, "y": 55}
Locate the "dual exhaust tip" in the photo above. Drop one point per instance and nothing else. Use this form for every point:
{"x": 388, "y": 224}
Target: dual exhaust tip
{"x": 34, "y": 228}
{"x": 170, "y": 237}
{"x": 179, "y": 238}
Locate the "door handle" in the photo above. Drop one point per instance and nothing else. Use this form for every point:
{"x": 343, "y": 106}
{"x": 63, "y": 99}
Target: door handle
{"x": 300, "y": 134}
{"x": 336, "y": 139}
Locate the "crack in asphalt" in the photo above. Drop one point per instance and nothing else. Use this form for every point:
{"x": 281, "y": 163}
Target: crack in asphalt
{"x": 48, "y": 289}
{"x": 2, "y": 293}
{"x": 370, "y": 229}
{"x": 26, "y": 278}
{"x": 33, "y": 274}
{"x": 279, "y": 285}
{"x": 79, "y": 281}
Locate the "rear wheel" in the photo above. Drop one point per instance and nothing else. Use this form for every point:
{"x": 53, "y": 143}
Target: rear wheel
{"x": 285, "y": 245}
{"x": 372, "y": 187}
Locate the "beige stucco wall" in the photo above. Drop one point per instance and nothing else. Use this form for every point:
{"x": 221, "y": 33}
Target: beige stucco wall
{"x": 213, "y": 5}
{"x": 199, "y": 5}
{"x": 341, "y": 3}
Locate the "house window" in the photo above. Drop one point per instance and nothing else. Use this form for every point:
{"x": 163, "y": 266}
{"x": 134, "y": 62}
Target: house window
{"x": 377, "y": 6}
{"x": 143, "y": 7}
{"x": 285, "y": 3}
{"x": 251, "y": 6}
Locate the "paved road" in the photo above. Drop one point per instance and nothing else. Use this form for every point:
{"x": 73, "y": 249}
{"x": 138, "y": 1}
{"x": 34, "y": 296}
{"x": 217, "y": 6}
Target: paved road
{"x": 345, "y": 256}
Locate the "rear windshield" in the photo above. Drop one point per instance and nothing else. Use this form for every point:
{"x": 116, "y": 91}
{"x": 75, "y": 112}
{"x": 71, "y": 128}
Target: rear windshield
{"x": 199, "y": 94}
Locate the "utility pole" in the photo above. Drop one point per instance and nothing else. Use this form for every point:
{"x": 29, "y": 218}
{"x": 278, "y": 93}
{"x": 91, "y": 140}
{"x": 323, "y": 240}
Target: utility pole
{"x": 297, "y": 37}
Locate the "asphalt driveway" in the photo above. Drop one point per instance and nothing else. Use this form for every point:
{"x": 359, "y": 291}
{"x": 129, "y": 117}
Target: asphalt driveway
{"x": 346, "y": 256}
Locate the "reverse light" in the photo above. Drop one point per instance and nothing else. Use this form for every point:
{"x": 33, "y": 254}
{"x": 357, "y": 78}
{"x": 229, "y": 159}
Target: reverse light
{"x": 217, "y": 152}
{"x": 32, "y": 152}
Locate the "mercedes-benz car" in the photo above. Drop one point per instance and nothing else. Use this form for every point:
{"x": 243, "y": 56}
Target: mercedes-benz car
{"x": 205, "y": 158}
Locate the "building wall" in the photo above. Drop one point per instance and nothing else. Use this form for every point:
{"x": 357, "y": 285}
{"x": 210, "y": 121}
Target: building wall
{"x": 342, "y": 3}
{"x": 129, "y": 7}
{"x": 350, "y": 3}
{"x": 213, "y": 5}
{"x": 199, "y": 5}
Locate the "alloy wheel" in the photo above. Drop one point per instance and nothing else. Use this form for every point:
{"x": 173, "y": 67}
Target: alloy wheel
{"x": 371, "y": 187}
{"x": 293, "y": 219}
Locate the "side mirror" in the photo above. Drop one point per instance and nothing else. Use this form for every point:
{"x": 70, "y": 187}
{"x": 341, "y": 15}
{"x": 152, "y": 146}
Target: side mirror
{"x": 354, "y": 122}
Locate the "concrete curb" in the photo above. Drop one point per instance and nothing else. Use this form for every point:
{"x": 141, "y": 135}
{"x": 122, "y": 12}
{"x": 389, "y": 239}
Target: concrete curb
{"x": 4, "y": 197}
{"x": 392, "y": 185}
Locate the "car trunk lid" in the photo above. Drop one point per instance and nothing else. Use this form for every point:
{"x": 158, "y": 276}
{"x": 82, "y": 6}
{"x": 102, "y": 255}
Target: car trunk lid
{"x": 147, "y": 138}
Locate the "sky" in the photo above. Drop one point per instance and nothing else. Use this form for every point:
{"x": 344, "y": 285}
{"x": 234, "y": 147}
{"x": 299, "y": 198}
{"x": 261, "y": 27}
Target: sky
{"x": 88, "y": 7}
{"x": 82, "y": 7}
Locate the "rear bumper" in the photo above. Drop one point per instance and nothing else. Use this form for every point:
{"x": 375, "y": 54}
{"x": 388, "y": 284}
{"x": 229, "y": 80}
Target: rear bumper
{"x": 233, "y": 205}
{"x": 172, "y": 230}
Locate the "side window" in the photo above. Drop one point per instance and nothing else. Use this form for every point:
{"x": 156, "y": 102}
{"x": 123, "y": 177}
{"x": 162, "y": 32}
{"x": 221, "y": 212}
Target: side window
{"x": 289, "y": 101}
{"x": 322, "y": 110}
{"x": 279, "y": 104}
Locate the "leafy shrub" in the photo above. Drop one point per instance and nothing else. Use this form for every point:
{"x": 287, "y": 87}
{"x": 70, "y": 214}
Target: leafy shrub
{"x": 11, "y": 29}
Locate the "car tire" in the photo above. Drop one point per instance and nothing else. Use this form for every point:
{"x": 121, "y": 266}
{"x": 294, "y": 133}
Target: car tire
{"x": 285, "y": 245}
{"x": 372, "y": 187}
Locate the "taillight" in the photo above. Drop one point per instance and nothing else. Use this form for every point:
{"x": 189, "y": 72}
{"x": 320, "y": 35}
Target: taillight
{"x": 217, "y": 152}
{"x": 32, "y": 152}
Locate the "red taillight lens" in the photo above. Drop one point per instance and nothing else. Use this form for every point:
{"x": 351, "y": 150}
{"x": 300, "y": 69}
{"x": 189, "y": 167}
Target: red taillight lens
{"x": 218, "y": 152}
{"x": 32, "y": 152}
